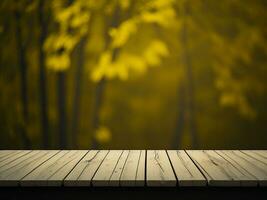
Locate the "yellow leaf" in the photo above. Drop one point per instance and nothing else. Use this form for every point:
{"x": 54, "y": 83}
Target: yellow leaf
{"x": 163, "y": 17}
{"x": 103, "y": 65}
{"x": 103, "y": 135}
{"x": 121, "y": 34}
{"x": 58, "y": 62}
{"x": 154, "y": 52}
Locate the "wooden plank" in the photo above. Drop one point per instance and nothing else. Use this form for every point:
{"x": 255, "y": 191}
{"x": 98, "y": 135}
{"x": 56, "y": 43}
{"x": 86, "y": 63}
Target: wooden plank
{"x": 262, "y": 153}
{"x": 129, "y": 172}
{"x": 186, "y": 171}
{"x": 127, "y": 168}
{"x": 52, "y": 172}
{"x": 251, "y": 165}
{"x": 6, "y": 153}
{"x": 106, "y": 168}
{"x": 245, "y": 178}
{"x": 84, "y": 171}
{"x": 258, "y": 155}
{"x": 219, "y": 171}
{"x": 250, "y": 180}
{"x": 14, "y": 157}
{"x": 12, "y": 175}
{"x": 115, "y": 177}
{"x": 140, "y": 175}
{"x": 159, "y": 169}
{"x": 17, "y": 161}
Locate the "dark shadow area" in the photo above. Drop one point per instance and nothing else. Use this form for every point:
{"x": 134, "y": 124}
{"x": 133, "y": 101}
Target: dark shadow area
{"x": 119, "y": 193}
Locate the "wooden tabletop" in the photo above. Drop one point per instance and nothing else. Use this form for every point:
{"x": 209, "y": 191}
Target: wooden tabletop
{"x": 142, "y": 168}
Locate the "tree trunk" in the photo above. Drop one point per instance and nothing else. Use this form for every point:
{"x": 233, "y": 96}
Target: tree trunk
{"x": 23, "y": 81}
{"x": 101, "y": 85}
{"x": 176, "y": 143}
{"x": 186, "y": 60}
{"x": 42, "y": 77}
{"x": 78, "y": 81}
{"x": 99, "y": 98}
{"x": 62, "y": 119}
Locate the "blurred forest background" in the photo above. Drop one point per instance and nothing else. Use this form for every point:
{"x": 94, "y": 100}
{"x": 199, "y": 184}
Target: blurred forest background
{"x": 133, "y": 74}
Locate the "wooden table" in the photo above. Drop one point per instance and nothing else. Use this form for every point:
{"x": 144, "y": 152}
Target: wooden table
{"x": 154, "y": 169}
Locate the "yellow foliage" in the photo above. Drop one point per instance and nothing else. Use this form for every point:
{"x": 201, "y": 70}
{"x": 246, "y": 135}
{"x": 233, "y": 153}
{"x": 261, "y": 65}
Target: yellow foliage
{"x": 58, "y": 62}
{"x": 103, "y": 65}
{"x": 164, "y": 17}
{"x": 124, "y": 4}
{"x": 103, "y": 135}
{"x": 121, "y": 34}
{"x": 160, "y": 3}
{"x": 158, "y": 12}
{"x": 58, "y": 49}
{"x": 80, "y": 20}
{"x": 238, "y": 101}
{"x": 59, "y": 45}
{"x": 136, "y": 63}
{"x": 126, "y": 62}
{"x": 59, "y": 41}
{"x": 154, "y": 52}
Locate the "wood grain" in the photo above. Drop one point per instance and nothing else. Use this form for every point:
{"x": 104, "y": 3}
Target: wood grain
{"x": 159, "y": 169}
{"x": 53, "y": 172}
{"x": 84, "y": 171}
{"x": 186, "y": 171}
{"x": 132, "y": 168}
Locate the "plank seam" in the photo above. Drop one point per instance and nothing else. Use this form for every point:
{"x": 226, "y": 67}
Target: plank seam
{"x": 260, "y": 155}
{"x": 239, "y": 165}
{"x": 256, "y": 166}
{"x": 253, "y": 157}
{"x": 38, "y": 166}
{"x": 9, "y": 155}
{"x": 221, "y": 168}
{"x": 87, "y": 164}
{"x": 184, "y": 163}
{"x": 99, "y": 167}
{"x": 177, "y": 182}
{"x": 75, "y": 166}
{"x": 25, "y": 159}
{"x": 198, "y": 166}
{"x": 230, "y": 163}
{"x": 62, "y": 167}
{"x": 15, "y": 159}
{"x": 137, "y": 167}
{"x": 34, "y": 158}
{"x": 116, "y": 166}
{"x": 122, "y": 167}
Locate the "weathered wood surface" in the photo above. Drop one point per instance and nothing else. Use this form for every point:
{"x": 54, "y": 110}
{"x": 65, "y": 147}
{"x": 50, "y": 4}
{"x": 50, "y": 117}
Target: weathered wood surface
{"x": 54, "y": 170}
{"x": 159, "y": 169}
{"x": 84, "y": 171}
{"x": 185, "y": 169}
{"x": 128, "y": 168}
{"x": 219, "y": 171}
{"x": 251, "y": 165}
